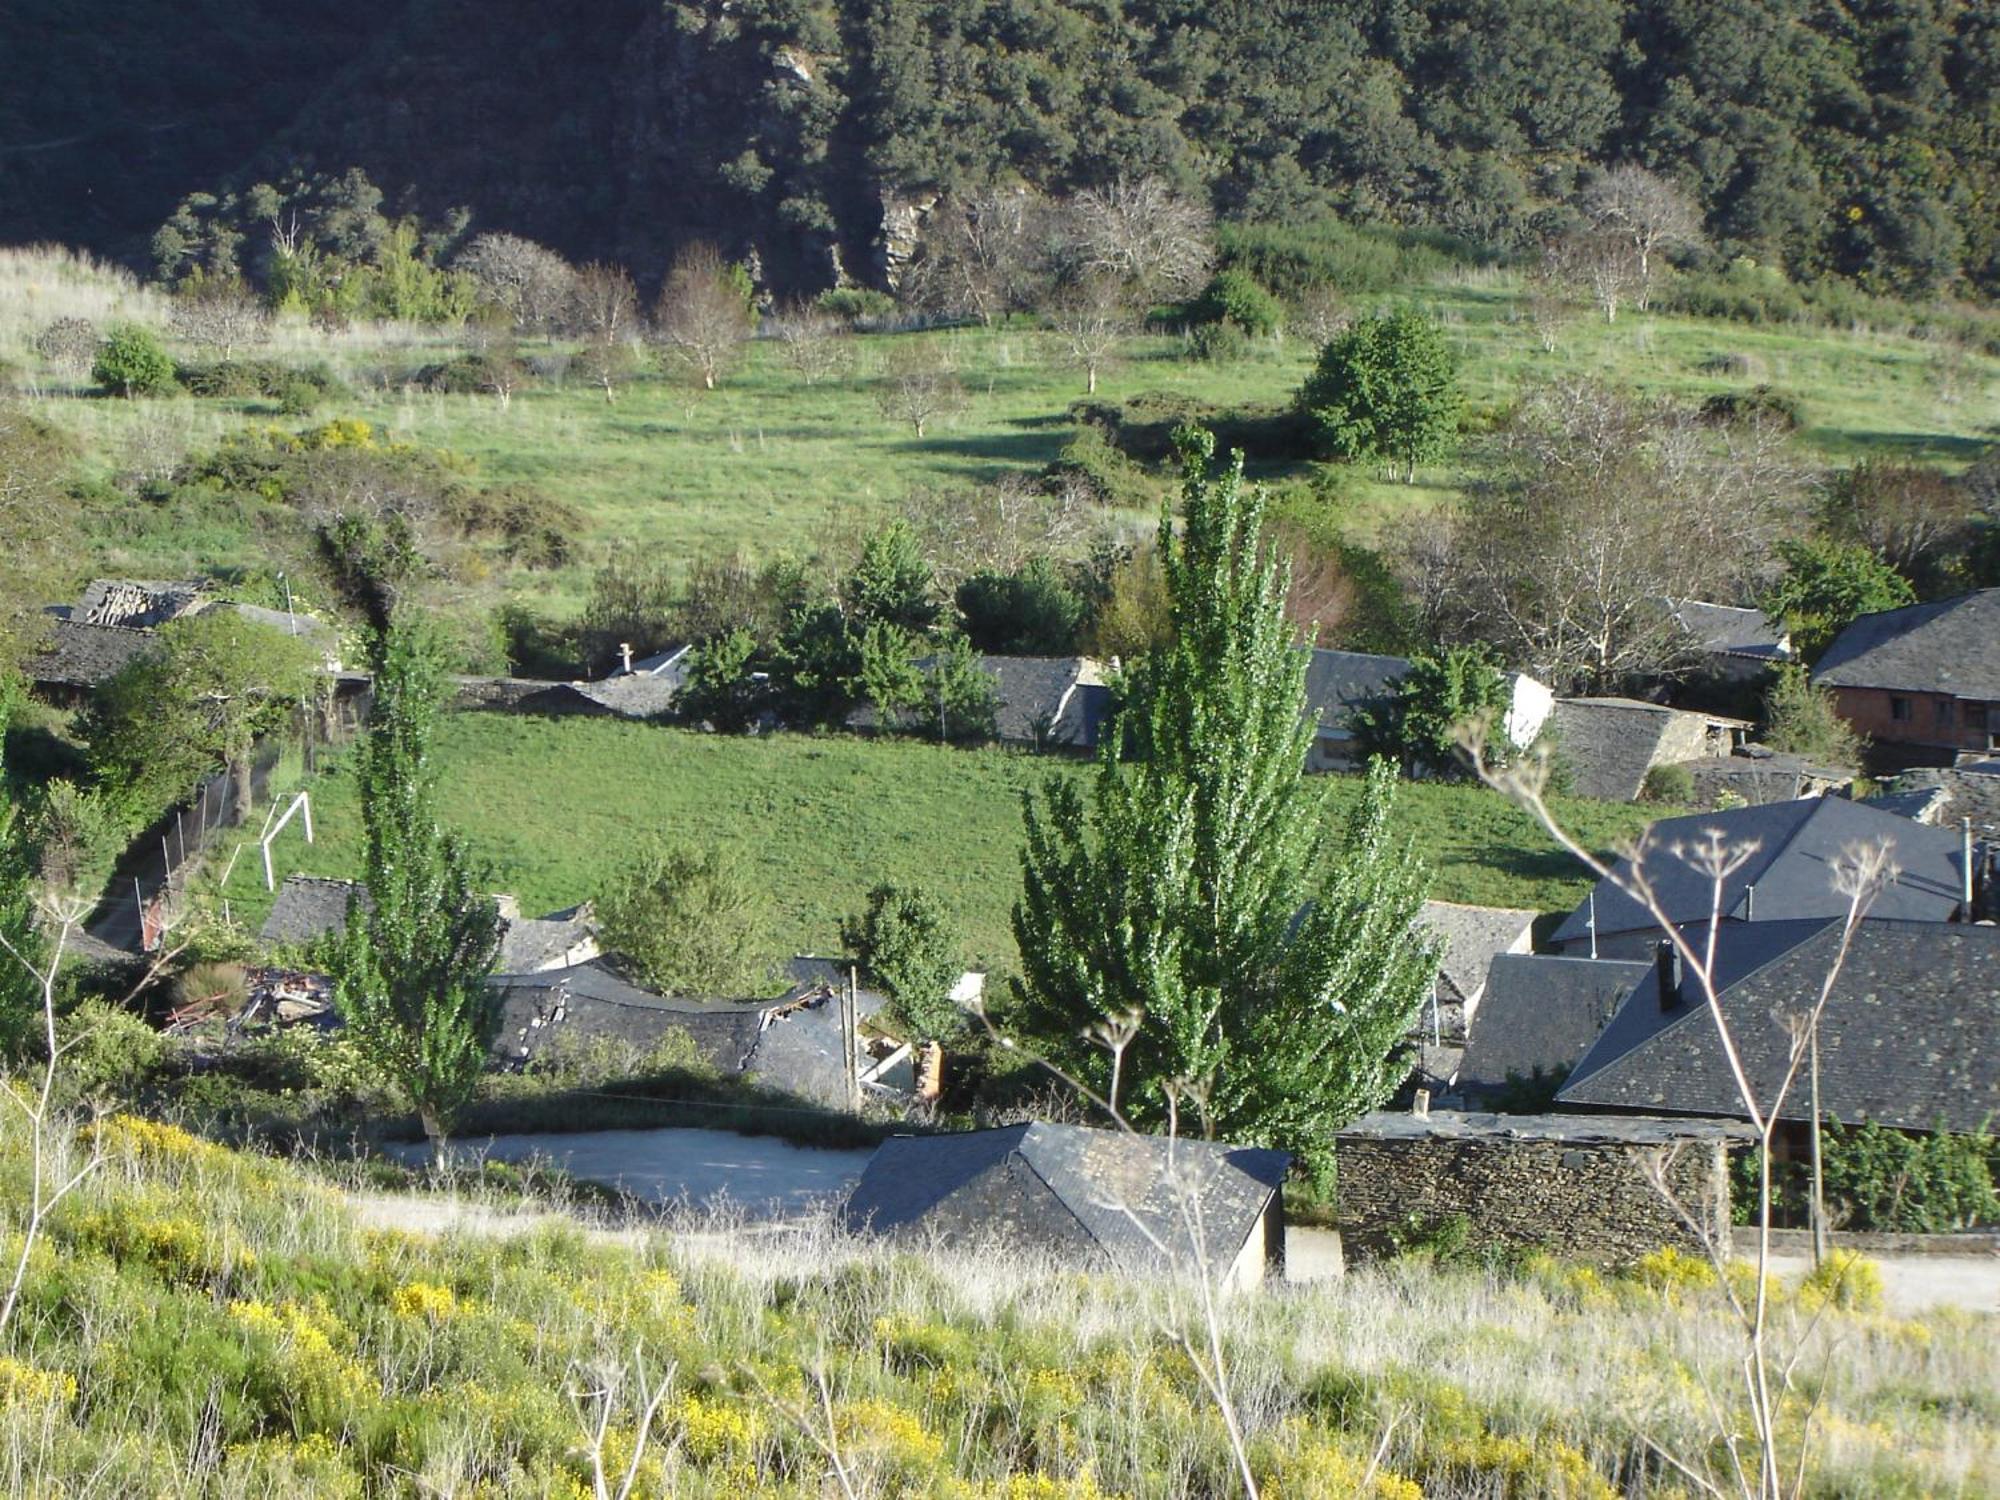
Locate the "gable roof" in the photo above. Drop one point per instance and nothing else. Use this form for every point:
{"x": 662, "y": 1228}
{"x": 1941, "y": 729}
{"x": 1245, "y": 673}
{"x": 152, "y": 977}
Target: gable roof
{"x": 1048, "y": 700}
{"x": 1473, "y": 937}
{"x": 1609, "y": 744}
{"x": 1541, "y": 1011}
{"x": 84, "y": 655}
{"x": 1728, "y": 630}
{"x": 1791, "y": 870}
{"x": 1950, "y": 646}
{"x": 1340, "y": 682}
{"x": 1067, "y": 1188}
{"x": 1910, "y": 1036}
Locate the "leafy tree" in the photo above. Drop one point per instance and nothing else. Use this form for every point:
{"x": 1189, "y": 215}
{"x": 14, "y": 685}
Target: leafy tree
{"x": 908, "y": 943}
{"x": 1192, "y": 885}
{"x": 1417, "y": 726}
{"x": 410, "y": 968}
{"x": 1235, "y": 297}
{"x": 1804, "y": 719}
{"x": 1386, "y": 388}
{"x": 201, "y": 698}
{"x": 889, "y": 678}
{"x": 891, "y": 583}
{"x": 717, "y": 687}
{"x": 958, "y": 692}
{"x": 133, "y": 363}
{"x": 1827, "y": 585}
{"x": 20, "y": 994}
{"x": 687, "y": 919}
{"x": 1030, "y": 613}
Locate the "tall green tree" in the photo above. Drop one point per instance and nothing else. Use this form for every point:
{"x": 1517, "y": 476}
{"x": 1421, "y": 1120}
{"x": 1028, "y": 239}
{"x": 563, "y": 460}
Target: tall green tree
{"x": 1417, "y": 725}
{"x": 1826, "y": 586}
{"x": 1386, "y": 388}
{"x": 908, "y": 943}
{"x": 688, "y": 919}
{"x": 20, "y": 994}
{"x": 410, "y": 969}
{"x": 1194, "y": 884}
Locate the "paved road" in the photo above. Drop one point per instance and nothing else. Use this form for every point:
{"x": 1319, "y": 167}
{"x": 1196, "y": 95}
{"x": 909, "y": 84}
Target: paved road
{"x": 757, "y": 1175}
{"x": 1913, "y": 1284}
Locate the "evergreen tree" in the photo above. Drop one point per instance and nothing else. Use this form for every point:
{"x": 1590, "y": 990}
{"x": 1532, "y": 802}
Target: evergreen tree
{"x": 908, "y": 944}
{"x": 1417, "y": 725}
{"x": 1187, "y": 886}
{"x": 410, "y": 969}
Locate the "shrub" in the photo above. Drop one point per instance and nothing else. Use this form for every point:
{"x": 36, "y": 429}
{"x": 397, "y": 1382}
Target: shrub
{"x": 472, "y": 374}
{"x": 113, "y": 1054}
{"x": 687, "y": 920}
{"x": 132, "y": 363}
{"x": 269, "y": 378}
{"x": 1759, "y": 403}
{"x": 1110, "y": 477}
{"x": 1669, "y": 783}
{"x": 68, "y": 343}
{"x": 1235, "y": 297}
{"x": 908, "y": 943}
{"x": 1805, "y": 720}
{"x": 1218, "y": 343}
{"x": 1845, "y": 1279}
{"x": 856, "y": 303}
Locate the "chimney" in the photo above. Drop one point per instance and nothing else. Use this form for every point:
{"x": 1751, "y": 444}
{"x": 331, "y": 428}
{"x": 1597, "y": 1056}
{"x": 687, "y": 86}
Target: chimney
{"x": 625, "y": 651}
{"x": 1667, "y": 970}
{"x": 1420, "y": 1106}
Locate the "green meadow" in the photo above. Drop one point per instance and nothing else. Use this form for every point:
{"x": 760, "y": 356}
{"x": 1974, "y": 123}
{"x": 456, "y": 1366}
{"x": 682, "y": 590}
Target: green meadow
{"x": 550, "y": 807}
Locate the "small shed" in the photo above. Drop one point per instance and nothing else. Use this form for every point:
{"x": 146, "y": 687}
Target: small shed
{"x": 1580, "y": 1186}
{"x": 1142, "y": 1205}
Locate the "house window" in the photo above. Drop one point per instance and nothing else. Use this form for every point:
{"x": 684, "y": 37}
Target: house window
{"x": 1944, "y": 719}
{"x": 1899, "y": 710}
{"x": 1975, "y": 716}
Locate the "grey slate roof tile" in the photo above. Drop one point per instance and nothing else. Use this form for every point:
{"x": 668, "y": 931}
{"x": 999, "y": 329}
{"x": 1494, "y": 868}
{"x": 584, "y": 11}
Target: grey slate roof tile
{"x": 1067, "y": 1190}
{"x": 1792, "y": 869}
{"x": 1339, "y": 683}
{"x": 1949, "y": 646}
{"x": 1910, "y": 1037}
{"x": 1541, "y": 1011}
{"x": 1473, "y": 936}
{"x": 1728, "y": 630}
{"x": 82, "y": 655}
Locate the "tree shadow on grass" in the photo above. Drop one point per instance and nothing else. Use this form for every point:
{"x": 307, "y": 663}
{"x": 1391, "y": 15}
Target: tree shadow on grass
{"x": 1902, "y": 447}
{"x": 995, "y": 447}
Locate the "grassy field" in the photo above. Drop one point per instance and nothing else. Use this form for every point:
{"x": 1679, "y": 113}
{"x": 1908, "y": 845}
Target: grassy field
{"x": 551, "y": 807}
{"x": 766, "y": 464}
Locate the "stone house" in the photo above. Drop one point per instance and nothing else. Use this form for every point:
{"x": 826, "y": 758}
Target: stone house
{"x": 1610, "y": 744}
{"x": 1142, "y": 1205}
{"x": 1910, "y": 1036}
{"x": 1577, "y": 1186}
{"x": 1731, "y": 644}
{"x": 1925, "y": 677}
{"x": 1789, "y": 873}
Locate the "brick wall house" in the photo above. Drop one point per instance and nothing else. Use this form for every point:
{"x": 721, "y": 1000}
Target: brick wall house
{"x": 1925, "y": 675}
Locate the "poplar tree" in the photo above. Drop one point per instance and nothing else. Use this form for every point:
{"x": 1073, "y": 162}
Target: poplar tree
{"x": 1198, "y": 883}
{"x": 410, "y": 973}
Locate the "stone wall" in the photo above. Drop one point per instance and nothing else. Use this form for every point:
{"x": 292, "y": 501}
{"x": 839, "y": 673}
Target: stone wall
{"x": 521, "y": 695}
{"x": 1576, "y": 1186}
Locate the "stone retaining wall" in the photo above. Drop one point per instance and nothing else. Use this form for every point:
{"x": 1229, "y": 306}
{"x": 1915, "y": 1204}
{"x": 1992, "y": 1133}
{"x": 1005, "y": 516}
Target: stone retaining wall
{"x": 1573, "y": 1186}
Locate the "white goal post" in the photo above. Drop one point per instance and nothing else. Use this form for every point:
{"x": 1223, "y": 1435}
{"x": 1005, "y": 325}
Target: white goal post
{"x": 300, "y": 803}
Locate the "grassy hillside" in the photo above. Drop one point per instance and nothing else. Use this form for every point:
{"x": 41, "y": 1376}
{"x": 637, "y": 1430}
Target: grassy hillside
{"x": 766, "y": 464}
{"x": 201, "y": 1323}
{"x": 550, "y": 807}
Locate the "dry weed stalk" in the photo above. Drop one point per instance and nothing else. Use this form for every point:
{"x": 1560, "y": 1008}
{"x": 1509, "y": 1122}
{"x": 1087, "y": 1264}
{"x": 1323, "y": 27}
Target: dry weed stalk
{"x": 595, "y": 1407}
{"x": 1859, "y": 875}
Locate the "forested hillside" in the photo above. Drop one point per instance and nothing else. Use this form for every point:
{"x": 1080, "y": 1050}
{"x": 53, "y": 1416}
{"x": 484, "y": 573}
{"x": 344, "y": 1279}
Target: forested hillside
{"x": 1859, "y": 140}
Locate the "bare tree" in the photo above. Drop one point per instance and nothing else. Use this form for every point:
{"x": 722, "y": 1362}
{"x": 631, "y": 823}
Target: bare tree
{"x": 817, "y": 344}
{"x": 1907, "y": 515}
{"x": 1143, "y": 233}
{"x": 1551, "y": 300}
{"x": 1601, "y": 266}
{"x": 604, "y": 305}
{"x": 607, "y": 364}
{"x": 1777, "y": 1406}
{"x": 53, "y": 1174}
{"x": 1090, "y": 319}
{"x": 998, "y": 527}
{"x": 1319, "y": 314}
{"x": 220, "y": 315}
{"x": 1647, "y": 212}
{"x": 530, "y": 282}
{"x": 703, "y": 317}
{"x": 984, "y": 253}
{"x": 920, "y": 385}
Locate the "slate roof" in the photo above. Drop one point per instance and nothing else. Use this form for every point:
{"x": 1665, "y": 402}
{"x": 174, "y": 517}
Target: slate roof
{"x": 83, "y": 656}
{"x": 1340, "y": 682}
{"x": 1966, "y": 791}
{"x": 1542, "y": 1011}
{"x": 1047, "y": 700}
{"x": 137, "y": 603}
{"x": 632, "y": 695}
{"x": 532, "y": 943}
{"x": 1581, "y": 1130}
{"x": 291, "y": 622}
{"x": 799, "y": 1048}
{"x": 1910, "y": 1037}
{"x": 1792, "y": 869}
{"x": 1609, "y": 744}
{"x": 1758, "y": 775}
{"x": 1727, "y": 630}
{"x": 307, "y": 907}
{"x": 1068, "y": 1190}
{"x": 588, "y": 1001}
{"x": 1950, "y": 646}
{"x": 1473, "y": 936}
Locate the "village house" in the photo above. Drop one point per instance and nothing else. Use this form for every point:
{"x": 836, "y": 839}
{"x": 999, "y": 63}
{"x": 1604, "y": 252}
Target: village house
{"x": 1472, "y": 937}
{"x": 1924, "y": 678}
{"x": 1610, "y": 745}
{"x": 1539, "y": 1014}
{"x": 1907, "y": 1039}
{"x": 1341, "y": 684}
{"x": 1102, "y": 1199}
{"x": 1794, "y": 849}
{"x": 1730, "y": 643}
